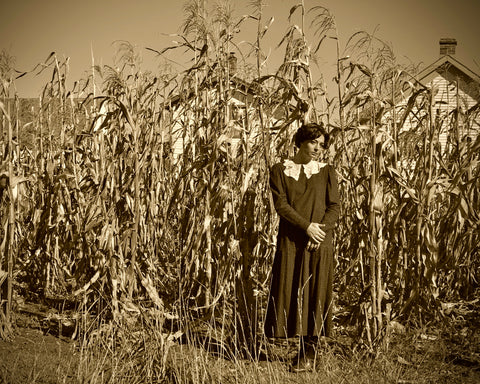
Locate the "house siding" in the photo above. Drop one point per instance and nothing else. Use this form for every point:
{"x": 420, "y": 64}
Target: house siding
{"x": 449, "y": 96}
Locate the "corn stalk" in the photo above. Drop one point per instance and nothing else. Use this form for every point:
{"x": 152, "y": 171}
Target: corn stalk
{"x": 118, "y": 220}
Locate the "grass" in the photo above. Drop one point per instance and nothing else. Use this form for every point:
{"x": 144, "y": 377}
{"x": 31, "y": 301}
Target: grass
{"x": 110, "y": 214}
{"x": 134, "y": 351}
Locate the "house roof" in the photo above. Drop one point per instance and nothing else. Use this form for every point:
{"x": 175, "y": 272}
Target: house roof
{"x": 239, "y": 85}
{"x": 444, "y": 62}
{"x": 449, "y": 68}
{"x": 453, "y": 70}
{"x": 242, "y": 91}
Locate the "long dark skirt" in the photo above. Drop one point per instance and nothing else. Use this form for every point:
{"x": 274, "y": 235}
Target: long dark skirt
{"x": 300, "y": 302}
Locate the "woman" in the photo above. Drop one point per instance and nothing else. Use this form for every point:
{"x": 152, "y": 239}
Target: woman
{"x": 306, "y": 198}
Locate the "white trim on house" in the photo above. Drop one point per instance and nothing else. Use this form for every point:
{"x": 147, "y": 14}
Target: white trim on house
{"x": 456, "y": 88}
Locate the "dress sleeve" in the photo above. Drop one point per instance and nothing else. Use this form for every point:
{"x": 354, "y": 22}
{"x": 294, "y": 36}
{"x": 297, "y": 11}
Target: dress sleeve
{"x": 283, "y": 208}
{"x": 332, "y": 200}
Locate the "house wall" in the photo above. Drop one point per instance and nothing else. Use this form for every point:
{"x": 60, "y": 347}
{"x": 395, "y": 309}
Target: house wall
{"x": 183, "y": 124}
{"x": 448, "y": 96}
{"x": 238, "y": 126}
{"x": 183, "y": 118}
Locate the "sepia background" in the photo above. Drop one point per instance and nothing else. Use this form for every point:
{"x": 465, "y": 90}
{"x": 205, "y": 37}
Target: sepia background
{"x": 30, "y": 30}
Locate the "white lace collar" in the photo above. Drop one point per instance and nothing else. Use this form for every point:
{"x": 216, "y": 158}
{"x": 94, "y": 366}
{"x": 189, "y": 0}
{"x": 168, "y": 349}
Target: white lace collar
{"x": 293, "y": 169}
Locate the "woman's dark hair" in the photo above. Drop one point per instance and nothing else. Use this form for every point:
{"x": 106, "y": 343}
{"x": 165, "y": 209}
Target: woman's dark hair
{"x": 311, "y": 132}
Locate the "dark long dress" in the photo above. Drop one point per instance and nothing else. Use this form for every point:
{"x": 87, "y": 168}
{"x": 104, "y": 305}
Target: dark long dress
{"x": 302, "y": 281}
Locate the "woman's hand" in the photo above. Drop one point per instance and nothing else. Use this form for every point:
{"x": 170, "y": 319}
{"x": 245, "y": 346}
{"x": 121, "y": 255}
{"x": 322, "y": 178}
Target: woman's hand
{"x": 311, "y": 246}
{"x": 316, "y": 233}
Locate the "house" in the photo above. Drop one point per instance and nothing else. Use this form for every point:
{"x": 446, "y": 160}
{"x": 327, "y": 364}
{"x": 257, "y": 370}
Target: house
{"x": 456, "y": 99}
{"x": 183, "y": 110}
{"x": 230, "y": 104}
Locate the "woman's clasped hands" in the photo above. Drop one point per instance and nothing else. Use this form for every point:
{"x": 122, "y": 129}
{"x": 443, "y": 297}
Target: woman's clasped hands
{"x": 316, "y": 234}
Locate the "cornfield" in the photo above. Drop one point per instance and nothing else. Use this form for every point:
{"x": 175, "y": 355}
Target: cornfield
{"x": 148, "y": 196}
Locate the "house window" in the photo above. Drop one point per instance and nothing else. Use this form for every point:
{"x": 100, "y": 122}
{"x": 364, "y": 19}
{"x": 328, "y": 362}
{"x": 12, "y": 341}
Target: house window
{"x": 237, "y": 120}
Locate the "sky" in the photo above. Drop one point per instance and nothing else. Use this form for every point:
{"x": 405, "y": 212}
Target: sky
{"x": 31, "y": 29}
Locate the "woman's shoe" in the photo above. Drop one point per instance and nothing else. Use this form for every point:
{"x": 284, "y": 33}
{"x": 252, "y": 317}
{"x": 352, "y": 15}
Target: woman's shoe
{"x": 304, "y": 364}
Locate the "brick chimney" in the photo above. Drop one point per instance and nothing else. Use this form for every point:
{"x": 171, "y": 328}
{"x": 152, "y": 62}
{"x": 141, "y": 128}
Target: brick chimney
{"x": 447, "y": 46}
{"x": 232, "y": 63}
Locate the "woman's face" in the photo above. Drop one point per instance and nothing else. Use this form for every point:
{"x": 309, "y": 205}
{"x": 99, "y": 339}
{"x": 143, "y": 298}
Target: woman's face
{"x": 311, "y": 148}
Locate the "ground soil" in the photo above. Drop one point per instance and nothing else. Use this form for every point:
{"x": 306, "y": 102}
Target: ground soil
{"x": 37, "y": 352}
{"x": 31, "y": 354}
